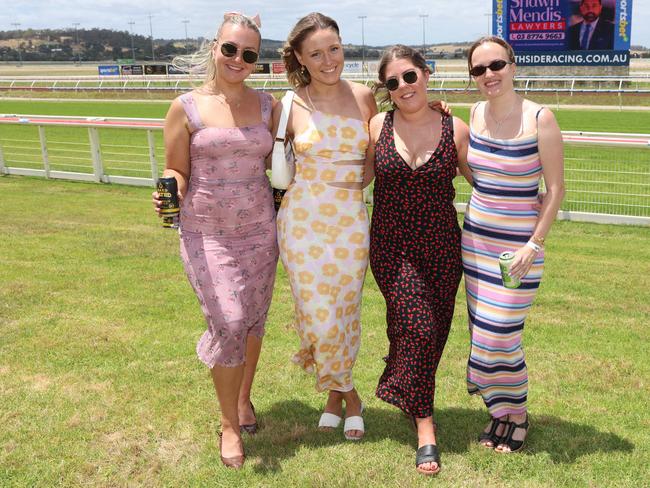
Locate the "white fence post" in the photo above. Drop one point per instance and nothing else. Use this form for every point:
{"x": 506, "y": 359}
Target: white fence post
{"x": 46, "y": 159}
{"x": 152, "y": 156}
{"x": 3, "y": 169}
{"x": 96, "y": 152}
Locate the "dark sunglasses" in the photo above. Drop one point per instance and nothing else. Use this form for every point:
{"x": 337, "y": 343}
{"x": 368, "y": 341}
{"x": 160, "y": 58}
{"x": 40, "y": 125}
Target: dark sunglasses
{"x": 409, "y": 77}
{"x": 229, "y": 50}
{"x": 497, "y": 65}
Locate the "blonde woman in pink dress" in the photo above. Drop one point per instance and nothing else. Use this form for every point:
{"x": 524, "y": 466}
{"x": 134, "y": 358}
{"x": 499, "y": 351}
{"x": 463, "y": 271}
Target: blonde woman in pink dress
{"x": 216, "y": 141}
{"x": 323, "y": 220}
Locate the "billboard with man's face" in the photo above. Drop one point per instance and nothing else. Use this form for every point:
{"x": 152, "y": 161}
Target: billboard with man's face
{"x": 566, "y": 32}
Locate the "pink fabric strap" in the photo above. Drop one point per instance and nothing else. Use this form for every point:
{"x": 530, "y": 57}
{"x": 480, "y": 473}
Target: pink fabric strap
{"x": 192, "y": 113}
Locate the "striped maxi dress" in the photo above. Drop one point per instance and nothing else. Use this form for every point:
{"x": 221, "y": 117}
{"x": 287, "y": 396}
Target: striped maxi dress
{"x": 500, "y": 217}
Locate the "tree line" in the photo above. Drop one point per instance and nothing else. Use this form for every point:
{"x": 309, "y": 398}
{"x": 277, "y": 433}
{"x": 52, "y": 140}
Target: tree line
{"x": 111, "y": 45}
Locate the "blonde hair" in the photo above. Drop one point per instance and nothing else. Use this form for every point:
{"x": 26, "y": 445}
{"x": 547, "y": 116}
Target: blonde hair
{"x": 201, "y": 63}
{"x": 297, "y": 74}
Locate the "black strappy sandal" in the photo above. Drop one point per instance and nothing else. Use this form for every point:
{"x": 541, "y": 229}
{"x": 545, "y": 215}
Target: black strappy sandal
{"x": 492, "y": 436}
{"x": 508, "y": 441}
{"x": 427, "y": 454}
{"x": 250, "y": 428}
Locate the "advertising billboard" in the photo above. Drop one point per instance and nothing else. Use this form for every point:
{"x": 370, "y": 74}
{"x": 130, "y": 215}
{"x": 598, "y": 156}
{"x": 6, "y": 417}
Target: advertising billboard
{"x": 262, "y": 68}
{"x": 565, "y": 32}
{"x": 155, "y": 69}
{"x": 108, "y": 70}
{"x": 131, "y": 69}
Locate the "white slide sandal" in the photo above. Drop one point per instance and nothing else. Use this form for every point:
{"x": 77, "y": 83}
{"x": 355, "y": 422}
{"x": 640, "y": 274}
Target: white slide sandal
{"x": 354, "y": 423}
{"x": 329, "y": 420}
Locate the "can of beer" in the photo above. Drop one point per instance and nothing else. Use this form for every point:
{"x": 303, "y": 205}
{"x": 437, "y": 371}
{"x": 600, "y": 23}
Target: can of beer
{"x": 505, "y": 262}
{"x": 169, "y": 208}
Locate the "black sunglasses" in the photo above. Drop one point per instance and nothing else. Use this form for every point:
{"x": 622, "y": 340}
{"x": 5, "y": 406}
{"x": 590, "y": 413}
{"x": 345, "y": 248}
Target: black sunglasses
{"x": 497, "y": 65}
{"x": 409, "y": 77}
{"x": 229, "y": 50}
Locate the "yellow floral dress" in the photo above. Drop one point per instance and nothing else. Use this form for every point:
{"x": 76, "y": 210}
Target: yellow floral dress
{"x": 323, "y": 237}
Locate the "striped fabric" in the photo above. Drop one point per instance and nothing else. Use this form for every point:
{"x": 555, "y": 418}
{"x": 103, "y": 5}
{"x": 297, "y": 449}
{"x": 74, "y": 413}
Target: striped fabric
{"x": 499, "y": 217}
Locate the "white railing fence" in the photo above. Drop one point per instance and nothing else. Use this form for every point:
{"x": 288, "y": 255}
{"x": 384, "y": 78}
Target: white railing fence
{"x": 607, "y": 174}
{"x": 638, "y": 84}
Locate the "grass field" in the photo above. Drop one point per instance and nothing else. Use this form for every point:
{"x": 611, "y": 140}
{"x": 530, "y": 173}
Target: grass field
{"x": 600, "y": 179}
{"x": 99, "y": 384}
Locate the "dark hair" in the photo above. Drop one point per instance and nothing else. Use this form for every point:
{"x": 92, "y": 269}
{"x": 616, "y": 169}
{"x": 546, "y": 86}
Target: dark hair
{"x": 296, "y": 73}
{"x": 398, "y": 51}
{"x": 583, "y": 1}
{"x": 485, "y": 40}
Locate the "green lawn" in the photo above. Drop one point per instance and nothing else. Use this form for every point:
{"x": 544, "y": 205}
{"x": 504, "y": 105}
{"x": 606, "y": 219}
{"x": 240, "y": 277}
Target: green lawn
{"x": 569, "y": 119}
{"x": 100, "y": 386}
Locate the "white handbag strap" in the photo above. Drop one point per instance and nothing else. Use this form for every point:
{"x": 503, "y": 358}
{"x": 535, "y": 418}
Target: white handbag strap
{"x": 287, "y": 100}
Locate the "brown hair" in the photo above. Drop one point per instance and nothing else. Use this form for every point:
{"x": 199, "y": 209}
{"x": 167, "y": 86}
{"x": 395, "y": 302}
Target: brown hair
{"x": 297, "y": 74}
{"x": 398, "y": 51}
{"x": 484, "y": 40}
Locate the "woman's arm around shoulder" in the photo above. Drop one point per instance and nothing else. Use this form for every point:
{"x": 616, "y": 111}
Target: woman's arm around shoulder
{"x": 461, "y": 139}
{"x": 374, "y": 130}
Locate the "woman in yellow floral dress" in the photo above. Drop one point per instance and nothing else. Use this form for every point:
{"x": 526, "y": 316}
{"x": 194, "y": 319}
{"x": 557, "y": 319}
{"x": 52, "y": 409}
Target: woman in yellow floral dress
{"x": 323, "y": 221}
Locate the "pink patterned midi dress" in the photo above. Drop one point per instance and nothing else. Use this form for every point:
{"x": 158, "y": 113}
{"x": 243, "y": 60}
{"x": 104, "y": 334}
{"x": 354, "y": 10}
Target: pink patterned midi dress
{"x": 228, "y": 232}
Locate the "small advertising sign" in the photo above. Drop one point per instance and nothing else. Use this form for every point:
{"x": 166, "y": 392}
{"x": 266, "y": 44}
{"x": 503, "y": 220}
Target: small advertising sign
{"x": 108, "y": 70}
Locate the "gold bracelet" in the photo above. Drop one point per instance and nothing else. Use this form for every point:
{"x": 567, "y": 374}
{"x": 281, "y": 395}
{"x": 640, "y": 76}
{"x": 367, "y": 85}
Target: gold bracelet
{"x": 538, "y": 240}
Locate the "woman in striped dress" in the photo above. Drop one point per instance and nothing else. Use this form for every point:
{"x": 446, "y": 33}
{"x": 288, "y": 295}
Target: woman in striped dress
{"x": 513, "y": 142}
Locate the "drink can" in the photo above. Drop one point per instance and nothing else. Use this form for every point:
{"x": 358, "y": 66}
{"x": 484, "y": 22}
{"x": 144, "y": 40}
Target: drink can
{"x": 505, "y": 262}
{"x": 168, "y": 195}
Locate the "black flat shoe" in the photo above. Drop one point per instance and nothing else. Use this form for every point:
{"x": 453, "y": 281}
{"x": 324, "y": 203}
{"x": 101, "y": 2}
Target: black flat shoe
{"x": 427, "y": 454}
{"x": 249, "y": 428}
{"x": 492, "y": 436}
{"x": 509, "y": 442}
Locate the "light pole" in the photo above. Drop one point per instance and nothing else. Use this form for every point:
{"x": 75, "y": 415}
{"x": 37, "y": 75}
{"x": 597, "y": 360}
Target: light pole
{"x": 363, "y": 44}
{"x": 20, "y": 56}
{"x": 76, "y": 41}
{"x": 186, "y": 21}
{"x": 424, "y": 51}
{"x": 131, "y": 24}
{"x": 153, "y": 55}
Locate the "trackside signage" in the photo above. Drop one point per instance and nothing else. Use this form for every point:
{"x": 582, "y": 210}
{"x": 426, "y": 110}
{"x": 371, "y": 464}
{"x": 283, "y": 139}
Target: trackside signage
{"x": 565, "y": 32}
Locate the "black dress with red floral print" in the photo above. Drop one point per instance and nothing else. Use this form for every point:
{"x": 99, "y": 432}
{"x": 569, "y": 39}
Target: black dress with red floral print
{"x": 415, "y": 258}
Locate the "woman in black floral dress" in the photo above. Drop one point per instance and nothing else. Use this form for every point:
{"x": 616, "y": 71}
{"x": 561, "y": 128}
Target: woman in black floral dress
{"x": 415, "y": 237}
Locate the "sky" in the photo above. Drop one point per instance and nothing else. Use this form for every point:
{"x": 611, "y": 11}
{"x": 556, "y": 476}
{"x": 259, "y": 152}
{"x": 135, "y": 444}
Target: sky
{"x": 387, "y": 21}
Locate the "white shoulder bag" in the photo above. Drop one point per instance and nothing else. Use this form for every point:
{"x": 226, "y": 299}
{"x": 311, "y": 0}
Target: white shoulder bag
{"x": 283, "y": 165}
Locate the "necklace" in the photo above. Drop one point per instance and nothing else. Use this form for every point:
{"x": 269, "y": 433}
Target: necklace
{"x": 500, "y": 122}
{"x": 221, "y": 98}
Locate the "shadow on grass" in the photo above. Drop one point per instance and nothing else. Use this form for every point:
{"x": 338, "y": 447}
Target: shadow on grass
{"x": 290, "y": 426}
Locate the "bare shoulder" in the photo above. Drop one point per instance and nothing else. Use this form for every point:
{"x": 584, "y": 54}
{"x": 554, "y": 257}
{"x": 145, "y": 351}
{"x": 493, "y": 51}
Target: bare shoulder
{"x": 461, "y": 129}
{"x": 359, "y": 89}
{"x": 176, "y": 108}
{"x": 376, "y": 123}
{"x": 364, "y": 97}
